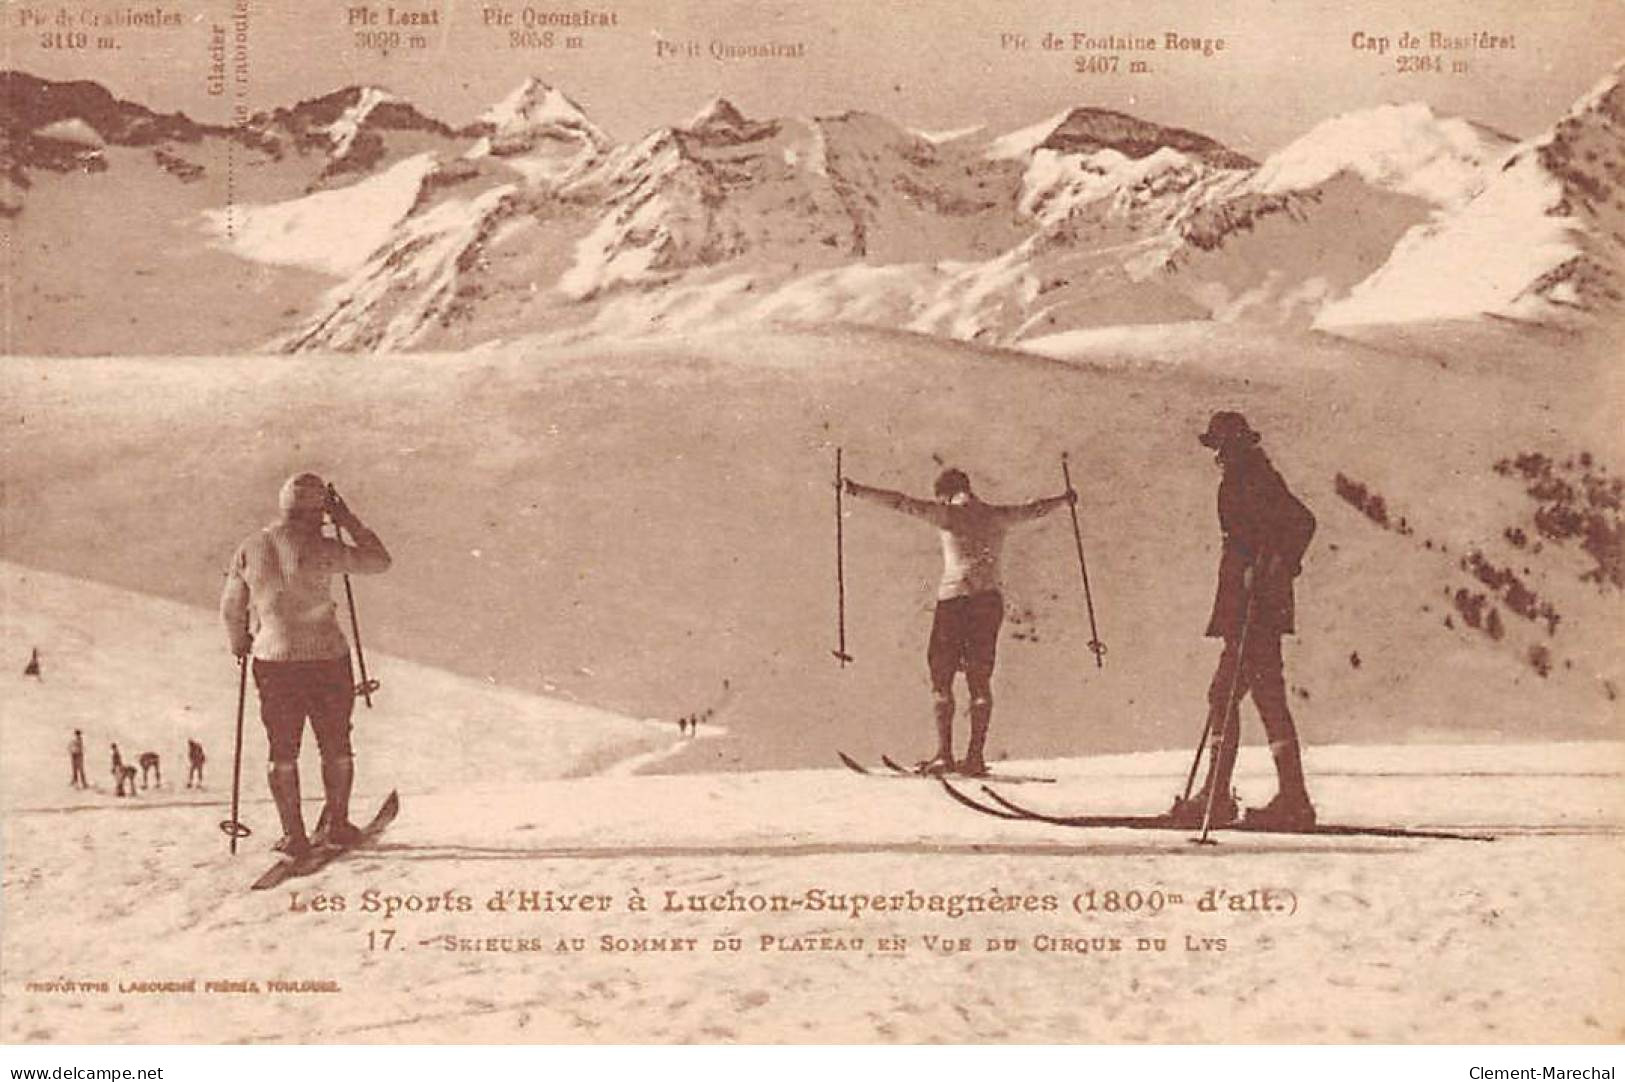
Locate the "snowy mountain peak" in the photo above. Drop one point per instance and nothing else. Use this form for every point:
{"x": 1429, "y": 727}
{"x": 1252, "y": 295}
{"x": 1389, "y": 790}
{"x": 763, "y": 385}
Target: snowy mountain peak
{"x": 344, "y": 130}
{"x": 535, "y": 112}
{"x": 1585, "y": 140}
{"x": 1544, "y": 239}
{"x": 1057, "y": 186}
{"x": 717, "y": 113}
{"x": 1605, "y": 97}
{"x": 519, "y": 100}
{"x": 1407, "y": 148}
{"x": 1086, "y": 130}
{"x": 721, "y": 122}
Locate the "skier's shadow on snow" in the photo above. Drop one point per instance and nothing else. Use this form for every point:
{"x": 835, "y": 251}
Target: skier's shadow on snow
{"x": 822, "y": 849}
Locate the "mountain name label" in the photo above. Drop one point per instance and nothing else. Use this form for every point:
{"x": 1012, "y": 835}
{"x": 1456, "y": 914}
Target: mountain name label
{"x": 366, "y": 15}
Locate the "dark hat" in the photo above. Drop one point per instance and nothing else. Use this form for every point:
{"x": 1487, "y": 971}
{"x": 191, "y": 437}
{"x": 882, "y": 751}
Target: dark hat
{"x": 951, "y": 482}
{"x": 1225, "y": 428}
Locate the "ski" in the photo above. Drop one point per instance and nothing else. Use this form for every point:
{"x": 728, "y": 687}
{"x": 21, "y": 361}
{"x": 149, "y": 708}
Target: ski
{"x": 896, "y": 770}
{"x": 283, "y": 870}
{"x": 1011, "y": 812}
{"x": 977, "y": 805}
{"x": 1163, "y": 822}
{"x": 1030, "y": 779}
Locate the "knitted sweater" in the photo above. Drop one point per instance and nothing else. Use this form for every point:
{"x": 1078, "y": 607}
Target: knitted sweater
{"x": 278, "y": 590}
{"x": 972, "y": 534}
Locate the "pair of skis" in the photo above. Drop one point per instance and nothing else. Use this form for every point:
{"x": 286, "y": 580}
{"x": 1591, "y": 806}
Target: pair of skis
{"x": 896, "y": 770}
{"x": 1002, "y": 807}
{"x": 320, "y": 857}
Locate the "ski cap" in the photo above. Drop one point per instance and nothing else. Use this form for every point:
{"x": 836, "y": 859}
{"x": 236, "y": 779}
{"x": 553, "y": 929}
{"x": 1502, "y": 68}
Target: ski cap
{"x": 303, "y": 492}
{"x": 951, "y": 482}
{"x": 1225, "y": 428}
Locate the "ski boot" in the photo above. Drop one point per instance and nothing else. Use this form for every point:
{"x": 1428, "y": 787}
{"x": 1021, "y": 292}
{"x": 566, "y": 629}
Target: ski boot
{"x": 284, "y": 781}
{"x": 334, "y": 830}
{"x": 974, "y": 765}
{"x": 1189, "y": 813}
{"x": 1286, "y": 813}
{"x": 937, "y": 766}
{"x": 331, "y": 835}
{"x": 295, "y": 848}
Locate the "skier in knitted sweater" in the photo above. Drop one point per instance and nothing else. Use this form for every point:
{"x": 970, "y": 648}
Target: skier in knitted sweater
{"x": 277, "y": 607}
{"x": 970, "y": 607}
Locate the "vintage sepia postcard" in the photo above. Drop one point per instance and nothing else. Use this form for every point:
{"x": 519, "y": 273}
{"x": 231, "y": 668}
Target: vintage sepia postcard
{"x": 724, "y": 522}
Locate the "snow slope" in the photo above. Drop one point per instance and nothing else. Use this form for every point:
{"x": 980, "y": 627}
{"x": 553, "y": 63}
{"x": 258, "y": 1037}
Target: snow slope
{"x": 1387, "y": 940}
{"x": 431, "y": 730}
{"x": 1383, "y": 941}
{"x": 1023, "y": 141}
{"x": 646, "y": 528}
{"x": 636, "y": 525}
{"x": 333, "y": 231}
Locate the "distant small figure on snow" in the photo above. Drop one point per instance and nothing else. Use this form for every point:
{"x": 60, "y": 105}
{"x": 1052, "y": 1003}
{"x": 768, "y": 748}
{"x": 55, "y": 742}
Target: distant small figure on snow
{"x": 76, "y": 759}
{"x": 123, "y": 776}
{"x": 149, "y": 761}
{"x": 194, "y": 757}
{"x": 32, "y": 668}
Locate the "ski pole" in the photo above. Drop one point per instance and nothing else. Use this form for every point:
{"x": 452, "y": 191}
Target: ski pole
{"x": 1201, "y": 746}
{"x": 1230, "y": 707}
{"x": 367, "y": 685}
{"x": 1096, "y": 647}
{"x": 233, "y": 827}
{"x": 840, "y": 567}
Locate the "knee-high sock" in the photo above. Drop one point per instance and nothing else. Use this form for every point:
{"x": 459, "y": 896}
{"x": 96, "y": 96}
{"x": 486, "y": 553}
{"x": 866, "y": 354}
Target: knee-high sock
{"x": 338, "y": 775}
{"x": 284, "y": 781}
{"x": 1224, "y": 743}
{"x": 1289, "y": 770}
{"x": 981, "y": 716}
{"x": 945, "y": 726}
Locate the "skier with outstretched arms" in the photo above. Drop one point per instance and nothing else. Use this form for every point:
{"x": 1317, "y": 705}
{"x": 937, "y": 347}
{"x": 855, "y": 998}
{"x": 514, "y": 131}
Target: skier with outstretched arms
{"x": 278, "y": 610}
{"x": 970, "y": 602}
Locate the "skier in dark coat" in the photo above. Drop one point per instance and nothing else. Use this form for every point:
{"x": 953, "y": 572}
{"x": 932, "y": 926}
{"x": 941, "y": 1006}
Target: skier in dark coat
{"x": 1266, "y": 531}
{"x": 277, "y": 606}
{"x": 970, "y": 606}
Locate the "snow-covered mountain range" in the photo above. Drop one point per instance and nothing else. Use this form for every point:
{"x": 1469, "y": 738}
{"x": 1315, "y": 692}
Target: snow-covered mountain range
{"x": 383, "y": 229}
